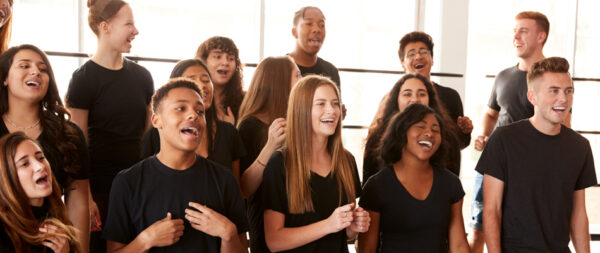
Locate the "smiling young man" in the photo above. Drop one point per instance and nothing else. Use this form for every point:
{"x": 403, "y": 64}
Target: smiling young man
{"x": 536, "y": 171}
{"x": 309, "y": 31}
{"x": 176, "y": 201}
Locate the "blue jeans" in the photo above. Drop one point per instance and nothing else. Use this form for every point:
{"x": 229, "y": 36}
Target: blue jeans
{"x": 477, "y": 205}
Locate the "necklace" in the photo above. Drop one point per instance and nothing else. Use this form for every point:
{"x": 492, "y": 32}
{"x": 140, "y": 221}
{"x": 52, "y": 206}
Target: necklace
{"x": 20, "y": 127}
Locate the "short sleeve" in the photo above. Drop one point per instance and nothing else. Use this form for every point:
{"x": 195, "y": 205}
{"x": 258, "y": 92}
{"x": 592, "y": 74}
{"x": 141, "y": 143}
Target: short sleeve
{"x": 355, "y": 176}
{"x": 81, "y": 92}
{"x": 370, "y": 196}
{"x": 493, "y": 158}
{"x": 493, "y": 101}
{"x": 587, "y": 177}
{"x": 251, "y": 136}
{"x": 457, "y": 190}
{"x": 236, "y": 211}
{"x": 274, "y": 190}
{"x": 150, "y": 143}
{"x": 118, "y": 226}
{"x": 84, "y": 155}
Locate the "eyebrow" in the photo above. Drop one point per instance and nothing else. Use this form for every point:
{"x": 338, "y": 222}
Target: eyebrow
{"x": 420, "y": 89}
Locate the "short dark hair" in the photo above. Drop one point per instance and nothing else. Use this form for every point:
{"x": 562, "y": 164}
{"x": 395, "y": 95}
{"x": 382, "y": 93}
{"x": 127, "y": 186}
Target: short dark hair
{"x": 416, "y": 36}
{"x": 552, "y": 64}
{"x": 540, "y": 19}
{"x": 394, "y": 139}
{"x": 180, "y": 82}
{"x": 299, "y": 14}
{"x": 182, "y": 65}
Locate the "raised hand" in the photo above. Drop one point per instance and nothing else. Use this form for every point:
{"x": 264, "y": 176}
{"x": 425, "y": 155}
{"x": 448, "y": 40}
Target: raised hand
{"x": 465, "y": 124}
{"x": 58, "y": 244}
{"x": 480, "y": 142}
{"x": 276, "y": 133}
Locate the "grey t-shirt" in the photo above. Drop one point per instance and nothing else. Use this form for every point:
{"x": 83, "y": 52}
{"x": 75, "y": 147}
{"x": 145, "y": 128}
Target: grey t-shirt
{"x": 509, "y": 96}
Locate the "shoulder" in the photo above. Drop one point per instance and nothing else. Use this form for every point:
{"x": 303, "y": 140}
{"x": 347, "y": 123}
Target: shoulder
{"x": 222, "y": 173}
{"x": 85, "y": 70}
{"x": 133, "y": 66}
{"x": 134, "y": 173}
{"x": 251, "y": 123}
{"x": 225, "y": 126}
{"x": 574, "y": 136}
{"x": 446, "y": 90}
{"x": 508, "y": 71}
{"x": 322, "y": 62}
{"x": 383, "y": 174}
{"x": 276, "y": 164}
{"x": 448, "y": 176}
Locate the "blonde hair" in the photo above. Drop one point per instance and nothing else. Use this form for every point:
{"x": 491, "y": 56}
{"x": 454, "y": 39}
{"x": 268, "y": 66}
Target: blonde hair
{"x": 298, "y": 148}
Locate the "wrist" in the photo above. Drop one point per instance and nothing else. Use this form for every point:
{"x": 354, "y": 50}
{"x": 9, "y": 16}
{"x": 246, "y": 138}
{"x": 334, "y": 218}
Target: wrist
{"x": 229, "y": 233}
{"x": 145, "y": 240}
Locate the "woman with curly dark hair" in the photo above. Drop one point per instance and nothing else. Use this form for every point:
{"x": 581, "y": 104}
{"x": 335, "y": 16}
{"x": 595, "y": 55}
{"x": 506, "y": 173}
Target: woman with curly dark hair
{"x": 29, "y": 102}
{"x": 223, "y": 60}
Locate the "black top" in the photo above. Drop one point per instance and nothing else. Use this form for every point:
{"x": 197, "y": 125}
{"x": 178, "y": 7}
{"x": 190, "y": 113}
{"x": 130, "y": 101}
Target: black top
{"x": 509, "y": 96}
{"x": 55, "y": 157}
{"x": 146, "y": 192}
{"x": 407, "y": 224}
{"x": 228, "y": 145}
{"x": 453, "y": 104}
{"x": 324, "y": 68}
{"x": 6, "y": 245}
{"x": 325, "y": 198}
{"x": 540, "y": 173}
{"x": 117, "y": 101}
{"x": 254, "y": 134}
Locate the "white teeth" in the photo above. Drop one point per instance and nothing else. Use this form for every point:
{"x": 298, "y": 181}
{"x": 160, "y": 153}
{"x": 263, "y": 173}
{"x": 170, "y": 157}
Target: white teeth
{"x": 560, "y": 108}
{"x": 427, "y": 143}
{"x": 419, "y": 65}
{"x": 33, "y": 83}
{"x": 327, "y": 120}
{"x": 192, "y": 130}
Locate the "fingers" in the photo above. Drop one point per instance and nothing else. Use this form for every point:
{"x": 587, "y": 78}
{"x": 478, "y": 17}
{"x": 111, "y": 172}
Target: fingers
{"x": 346, "y": 207}
{"x": 229, "y": 112}
{"x": 480, "y": 142}
{"x": 56, "y": 243}
{"x": 168, "y": 217}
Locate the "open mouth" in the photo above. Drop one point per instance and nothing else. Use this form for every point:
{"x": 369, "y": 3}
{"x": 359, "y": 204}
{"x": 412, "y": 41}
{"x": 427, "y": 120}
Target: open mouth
{"x": 559, "y": 108}
{"x": 427, "y": 144}
{"x": 2, "y": 14}
{"x": 222, "y": 72}
{"x": 419, "y": 66}
{"x": 32, "y": 84}
{"x": 190, "y": 131}
{"x": 314, "y": 42}
{"x": 42, "y": 180}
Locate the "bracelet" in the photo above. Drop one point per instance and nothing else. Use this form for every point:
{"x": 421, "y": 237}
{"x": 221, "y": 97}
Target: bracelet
{"x": 261, "y": 164}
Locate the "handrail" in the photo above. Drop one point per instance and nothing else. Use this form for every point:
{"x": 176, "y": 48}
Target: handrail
{"x": 582, "y": 79}
{"x": 170, "y": 60}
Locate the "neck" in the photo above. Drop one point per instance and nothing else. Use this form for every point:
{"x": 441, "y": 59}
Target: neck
{"x": 526, "y": 62}
{"x": 544, "y": 126}
{"x": 107, "y": 57}
{"x": 303, "y": 59}
{"x": 23, "y": 113}
{"x": 319, "y": 146}
{"x": 218, "y": 96}
{"x": 37, "y": 202}
{"x": 175, "y": 159}
{"x": 411, "y": 165}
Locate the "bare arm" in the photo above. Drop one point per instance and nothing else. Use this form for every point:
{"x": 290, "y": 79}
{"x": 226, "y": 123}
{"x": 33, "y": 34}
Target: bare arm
{"x": 80, "y": 117}
{"x": 367, "y": 242}
{"x": 76, "y": 200}
{"x": 162, "y": 233}
{"x": 280, "y": 238}
{"x": 252, "y": 177}
{"x": 489, "y": 121}
{"x": 580, "y": 234}
{"x": 456, "y": 230}
{"x": 235, "y": 166}
{"x": 493, "y": 190}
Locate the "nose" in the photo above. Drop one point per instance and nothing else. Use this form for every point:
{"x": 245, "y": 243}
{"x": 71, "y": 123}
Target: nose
{"x": 38, "y": 166}
{"x": 135, "y": 31}
{"x": 35, "y": 71}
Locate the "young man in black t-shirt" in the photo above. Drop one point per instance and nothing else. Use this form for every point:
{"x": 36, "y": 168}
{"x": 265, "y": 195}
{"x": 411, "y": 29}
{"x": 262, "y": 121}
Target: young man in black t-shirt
{"x": 309, "y": 31}
{"x": 536, "y": 171}
{"x": 176, "y": 201}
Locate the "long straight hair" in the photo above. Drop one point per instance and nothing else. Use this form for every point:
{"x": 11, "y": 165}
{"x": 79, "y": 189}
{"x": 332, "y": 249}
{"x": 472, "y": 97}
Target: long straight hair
{"x": 269, "y": 90}
{"x": 6, "y": 31}
{"x": 16, "y": 213}
{"x": 298, "y": 148}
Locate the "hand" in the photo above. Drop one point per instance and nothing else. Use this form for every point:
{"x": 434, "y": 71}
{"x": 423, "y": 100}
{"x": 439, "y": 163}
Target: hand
{"x": 210, "y": 222}
{"x": 164, "y": 232}
{"x": 226, "y": 115}
{"x": 361, "y": 220}
{"x": 276, "y": 133}
{"x": 465, "y": 124}
{"x": 58, "y": 244}
{"x": 341, "y": 217}
{"x": 480, "y": 142}
{"x": 95, "y": 216}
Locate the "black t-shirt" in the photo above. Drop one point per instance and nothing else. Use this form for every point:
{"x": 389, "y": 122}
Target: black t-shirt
{"x": 509, "y": 96}
{"x": 117, "y": 101}
{"x": 228, "y": 145}
{"x": 453, "y": 104}
{"x": 144, "y": 193}
{"x": 6, "y": 244}
{"x": 325, "y": 198}
{"x": 407, "y": 224}
{"x": 540, "y": 173}
{"x": 56, "y": 158}
{"x": 254, "y": 134}
{"x": 324, "y": 68}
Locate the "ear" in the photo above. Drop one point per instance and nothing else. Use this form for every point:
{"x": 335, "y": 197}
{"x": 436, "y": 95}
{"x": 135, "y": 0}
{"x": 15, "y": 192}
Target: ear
{"x": 531, "y": 97}
{"x": 156, "y": 122}
{"x": 295, "y": 32}
{"x": 541, "y": 37}
{"x": 403, "y": 66}
{"x": 104, "y": 27}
